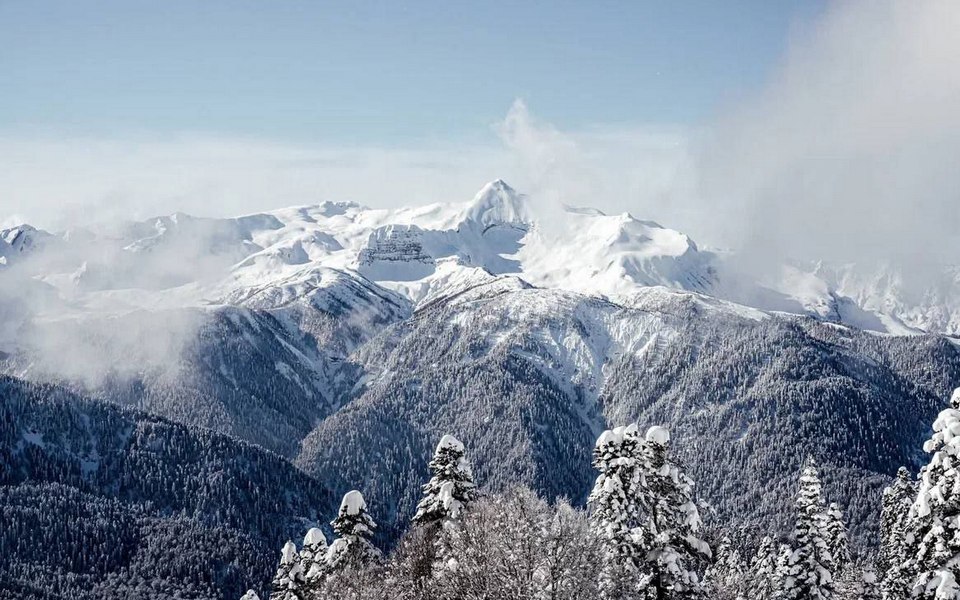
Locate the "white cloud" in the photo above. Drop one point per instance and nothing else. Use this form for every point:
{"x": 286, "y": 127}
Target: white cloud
{"x": 642, "y": 170}
{"x": 850, "y": 152}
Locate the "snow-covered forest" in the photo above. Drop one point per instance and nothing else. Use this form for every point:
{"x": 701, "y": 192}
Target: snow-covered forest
{"x": 644, "y": 534}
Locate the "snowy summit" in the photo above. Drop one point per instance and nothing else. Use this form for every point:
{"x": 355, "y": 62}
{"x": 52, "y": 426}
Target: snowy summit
{"x": 424, "y": 253}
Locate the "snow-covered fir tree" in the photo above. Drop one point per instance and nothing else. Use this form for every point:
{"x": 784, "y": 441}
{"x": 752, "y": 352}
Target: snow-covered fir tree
{"x": 897, "y": 500}
{"x": 897, "y": 583}
{"x": 445, "y": 496}
{"x": 896, "y": 537}
{"x": 936, "y": 512}
{"x": 451, "y": 486}
{"x": 763, "y": 569}
{"x": 288, "y": 582}
{"x": 354, "y": 527}
{"x": 250, "y": 595}
{"x": 869, "y": 585}
{"x": 783, "y": 574}
{"x": 615, "y": 513}
{"x": 835, "y": 533}
{"x": 847, "y": 580}
{"x": 809, "y": 576}
{"x": 725, "y": 578}
{"x": 313, "y": 559}
{"x": 670, "y": 522}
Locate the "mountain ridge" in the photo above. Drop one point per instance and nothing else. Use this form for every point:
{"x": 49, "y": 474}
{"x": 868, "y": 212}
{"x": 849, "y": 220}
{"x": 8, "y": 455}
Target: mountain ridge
{"x": 348, "y": 339}
{"x": 415, "y": 252}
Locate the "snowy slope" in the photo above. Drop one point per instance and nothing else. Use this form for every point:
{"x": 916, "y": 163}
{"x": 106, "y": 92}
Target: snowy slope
{"x": 415, "y": 255}
{"x": 416, "y": 251}
{"x": 315, "y": 331}
{"x": 528, "y": 377}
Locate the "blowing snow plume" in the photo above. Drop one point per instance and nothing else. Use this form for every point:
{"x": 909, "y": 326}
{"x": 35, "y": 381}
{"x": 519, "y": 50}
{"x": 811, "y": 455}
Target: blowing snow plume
{"x": 849, "y": 154}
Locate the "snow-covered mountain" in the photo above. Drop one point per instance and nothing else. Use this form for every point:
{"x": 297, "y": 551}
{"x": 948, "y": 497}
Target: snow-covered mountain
{"x": 422, "y": 253}
{"x": 528, "y": 378}
{"x": 18, "y": 243}
{"x": 418, "y": 254}
{"x": 263, "y": 326}
{"x": 348, "y": 340}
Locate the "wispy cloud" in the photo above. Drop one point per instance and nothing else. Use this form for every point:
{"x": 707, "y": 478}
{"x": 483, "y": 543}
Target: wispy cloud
{"x": 58, "y": 182}
{"x": 850, "y": 152}
{"x": 644, "y": 170}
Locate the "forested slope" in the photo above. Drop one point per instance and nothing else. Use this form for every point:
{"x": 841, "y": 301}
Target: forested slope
{"x": 97, "y": 501}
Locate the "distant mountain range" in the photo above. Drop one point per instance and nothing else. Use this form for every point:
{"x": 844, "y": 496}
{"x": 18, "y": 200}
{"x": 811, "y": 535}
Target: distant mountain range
{"x": 347, "y": 340}
{"x": 422, "y": 253}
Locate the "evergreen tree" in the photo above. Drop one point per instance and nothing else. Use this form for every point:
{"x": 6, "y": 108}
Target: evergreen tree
{"x": 809, "y": 576}
{"x": 354, "y": 526}
{"x": 288, "y": 582}
{"x": 835, "y": 533}
{"x": 250, "y": 595}
{"x": 784, "y": 579}
{"x": 898, "y": 582}
{"x": 725, "y": 577}
{"x": 897, "y": 500}
{"x": 313, "y": 558}
{"x": 670, "y": 523}
{"x": 451, "y": 486}
{"x": 869, "y": 585}
{"x": 895, "y": 537}
{"x": 448, "y": 492}
{"x": 615, "y": 513}
{"x": 763, "y": 569}
{"x": 935, "y": 563}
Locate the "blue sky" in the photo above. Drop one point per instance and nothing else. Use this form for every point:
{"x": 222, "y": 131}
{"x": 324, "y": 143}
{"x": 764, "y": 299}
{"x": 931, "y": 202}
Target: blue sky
{"x": 379, "y": 72}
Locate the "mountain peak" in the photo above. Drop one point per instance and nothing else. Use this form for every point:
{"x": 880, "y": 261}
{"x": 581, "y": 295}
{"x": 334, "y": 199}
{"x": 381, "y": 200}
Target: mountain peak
{"x": 10, "y": 235}
{"x": 498, "y": 204}
{"x": 22, "y": 240}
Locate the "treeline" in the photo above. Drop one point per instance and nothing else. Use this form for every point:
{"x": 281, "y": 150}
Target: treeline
{"x": 641, "y": 538}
